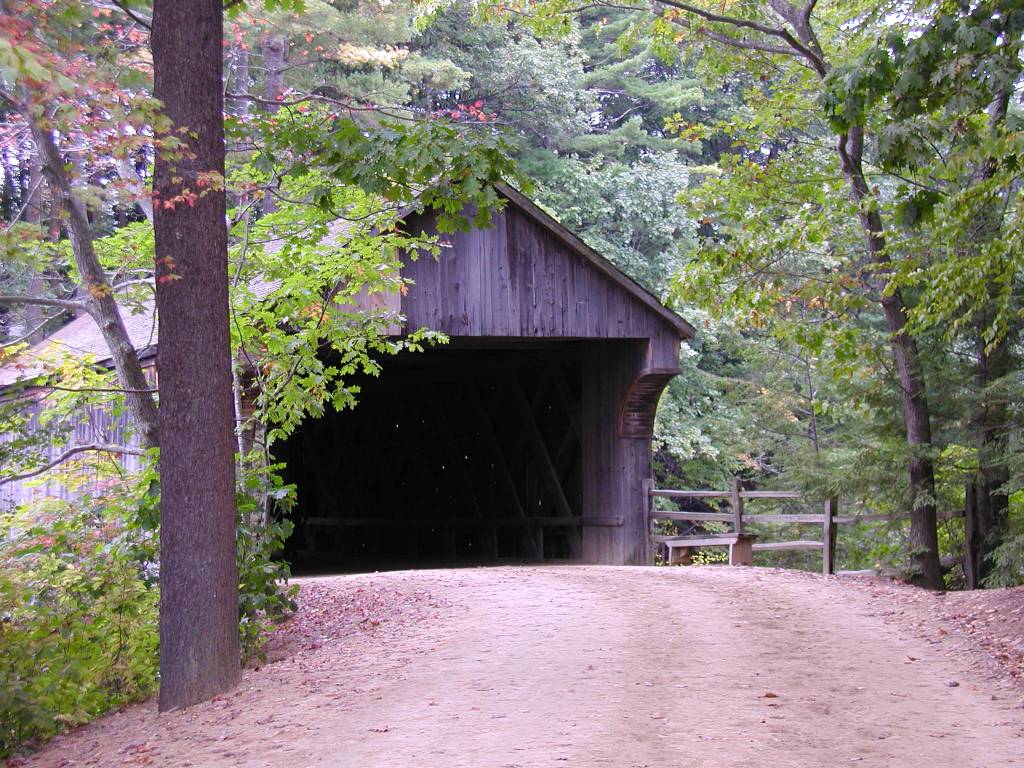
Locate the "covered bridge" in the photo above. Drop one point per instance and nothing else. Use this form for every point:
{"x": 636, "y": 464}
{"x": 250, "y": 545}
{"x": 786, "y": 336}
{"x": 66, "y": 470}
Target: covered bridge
{"x": 527, "y": 437}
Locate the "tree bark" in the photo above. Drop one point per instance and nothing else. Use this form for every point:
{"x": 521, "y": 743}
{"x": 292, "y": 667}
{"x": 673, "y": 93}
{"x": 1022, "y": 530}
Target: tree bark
{"x": 240, "y": 81}
{"x": 99, "y": 295}
{"x": 275, "y": 59}
{"x": 926, "y": 571}
{"x": 34, "y": 315}
{"x": 199, "y": 646}
{"x": 989, "y": 421}
{"x": 990, "y": 417}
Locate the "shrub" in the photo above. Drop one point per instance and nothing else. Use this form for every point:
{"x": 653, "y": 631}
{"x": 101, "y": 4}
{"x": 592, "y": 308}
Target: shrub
{"x": 78, "y": 626}
{"x": 79, "y": 595}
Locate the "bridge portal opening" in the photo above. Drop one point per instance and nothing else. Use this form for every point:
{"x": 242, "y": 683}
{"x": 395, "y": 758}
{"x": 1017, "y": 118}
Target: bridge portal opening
{"x": 465, "y": 453}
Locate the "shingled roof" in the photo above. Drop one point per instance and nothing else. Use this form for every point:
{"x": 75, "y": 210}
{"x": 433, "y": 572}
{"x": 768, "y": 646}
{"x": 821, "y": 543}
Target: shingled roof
{"x": 83, "y": 338}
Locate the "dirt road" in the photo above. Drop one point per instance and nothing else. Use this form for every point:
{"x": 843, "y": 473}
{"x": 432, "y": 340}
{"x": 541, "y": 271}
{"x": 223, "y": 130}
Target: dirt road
{"x": 585, "y": 666}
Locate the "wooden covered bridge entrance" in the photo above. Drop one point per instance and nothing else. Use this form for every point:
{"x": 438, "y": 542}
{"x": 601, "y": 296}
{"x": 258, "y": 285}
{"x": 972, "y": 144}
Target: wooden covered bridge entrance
{"x": 527, "y": 437}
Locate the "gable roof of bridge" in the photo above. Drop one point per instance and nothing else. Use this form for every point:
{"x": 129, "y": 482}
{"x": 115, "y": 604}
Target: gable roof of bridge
{"x": 599, "y": 262}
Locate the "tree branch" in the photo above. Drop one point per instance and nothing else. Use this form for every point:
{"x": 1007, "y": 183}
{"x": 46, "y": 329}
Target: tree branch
{"x": 120, "y": 390}
{"x": 148, "y": 281}
{"x": 99, "y": 297}
{"x": 28, "y": 335}
{"x": 24, "y": 206}
{"x": 101, "y": 447}
{"x": 44, "y": 301}
{"x": 11, "y": 101}
{"x": 808, "y": 10}
{"x": 732, "y": 21}
{"x": 131, "y": 14}
{"x": 749, "y": 45}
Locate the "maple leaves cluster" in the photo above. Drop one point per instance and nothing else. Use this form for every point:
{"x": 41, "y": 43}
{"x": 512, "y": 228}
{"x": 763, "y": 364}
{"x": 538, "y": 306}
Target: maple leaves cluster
{"x": 468, "y": 112}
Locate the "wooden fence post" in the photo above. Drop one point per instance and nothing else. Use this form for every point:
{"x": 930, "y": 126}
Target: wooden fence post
{"x": 828, "y": 537}
{"x": 646, "y": 486}
{"x": 737, "y": 506}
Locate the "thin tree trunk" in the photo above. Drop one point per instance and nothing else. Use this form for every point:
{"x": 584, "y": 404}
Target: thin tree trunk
{"x": 990, "y": 413}
{"x": 275, "y": 58}
{"x": 239, "y": 81}
{"x": 99, "y": 296}
{"x": 924, "y": 542}
{"x": 35, "y": 315}
{"x": 802, "y": 43}
{"x": 199, "y": 647}
{"x": 989, "y": 422}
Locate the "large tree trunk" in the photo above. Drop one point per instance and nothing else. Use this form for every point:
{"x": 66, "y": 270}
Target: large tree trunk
{"x": 924, "y": 543}
{"x": 98, "y": 294}
{"x": 199, "y": 648}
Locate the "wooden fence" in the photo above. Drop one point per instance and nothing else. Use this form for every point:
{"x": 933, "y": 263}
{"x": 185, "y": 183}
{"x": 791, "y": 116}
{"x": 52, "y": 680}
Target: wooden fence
{"x": 739, "y": 518}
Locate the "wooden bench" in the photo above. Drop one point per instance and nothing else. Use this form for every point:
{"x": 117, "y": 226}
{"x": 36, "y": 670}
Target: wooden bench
{"x": 741, "y": 547}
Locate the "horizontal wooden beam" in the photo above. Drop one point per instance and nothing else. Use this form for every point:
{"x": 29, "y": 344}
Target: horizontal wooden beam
{"x": 795, "y": 518}
{"x": 707, "y": 494}
{"x": 713, "y": 517}
{"x": 692, "y": 494}
{"x": 702, "y": 541}
{"x": 781, "y": 545}
{"x": 462, "y": 522}
{"x": 726, "y": 517}
{"x": 892, "y": 518}
{"x": 721, "y": 538}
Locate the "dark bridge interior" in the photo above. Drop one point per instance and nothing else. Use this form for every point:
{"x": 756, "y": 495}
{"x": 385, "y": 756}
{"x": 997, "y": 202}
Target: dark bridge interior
{"x": 461, "y": 453}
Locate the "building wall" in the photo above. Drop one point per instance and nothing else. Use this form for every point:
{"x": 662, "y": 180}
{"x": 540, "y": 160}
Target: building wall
{"x": 95, "y": 425}
{"x": 518, "y": 279}
{"x": 614, "y": 466}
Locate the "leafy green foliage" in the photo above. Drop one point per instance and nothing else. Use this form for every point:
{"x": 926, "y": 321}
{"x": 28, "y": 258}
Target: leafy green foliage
{"x": 78, "y": 628}
{"x": 80, "y": 585}
{"x": 628, "y": 213}
{"x": 264, "y": 597}
{"x": 434, "y": 164}
{"x": 79, "y": 575}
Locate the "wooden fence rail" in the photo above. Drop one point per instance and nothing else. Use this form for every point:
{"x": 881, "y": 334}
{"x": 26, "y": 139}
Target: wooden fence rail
{"x": 828, "y": 519}
{"x": 738, "y": 518}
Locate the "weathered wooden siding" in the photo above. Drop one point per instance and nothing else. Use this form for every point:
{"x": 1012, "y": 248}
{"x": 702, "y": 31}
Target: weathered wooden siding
{"x": 96, "y": 425}
{"x": 518, "y": 279}
{"x": 529, "y": 436}
{"x": 614, "y": 466}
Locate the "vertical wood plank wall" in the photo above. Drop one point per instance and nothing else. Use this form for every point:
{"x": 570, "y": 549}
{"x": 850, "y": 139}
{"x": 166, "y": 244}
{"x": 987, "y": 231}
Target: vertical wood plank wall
{"x": 518, "y": 280}
{"x": 95, "y": 424}
{"x": 614, "y": 467}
